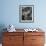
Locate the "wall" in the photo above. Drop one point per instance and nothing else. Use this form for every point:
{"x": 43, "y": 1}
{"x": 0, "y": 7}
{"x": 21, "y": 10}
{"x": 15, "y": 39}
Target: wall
{"x": 10, "y": 13}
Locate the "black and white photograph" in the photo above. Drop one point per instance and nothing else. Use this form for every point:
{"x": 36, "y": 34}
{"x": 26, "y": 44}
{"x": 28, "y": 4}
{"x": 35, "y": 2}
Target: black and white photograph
{"x": 26, "y": 13}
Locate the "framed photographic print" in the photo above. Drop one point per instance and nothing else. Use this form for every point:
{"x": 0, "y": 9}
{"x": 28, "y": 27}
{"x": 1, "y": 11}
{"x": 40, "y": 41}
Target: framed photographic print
{"x": 26, "y": 13}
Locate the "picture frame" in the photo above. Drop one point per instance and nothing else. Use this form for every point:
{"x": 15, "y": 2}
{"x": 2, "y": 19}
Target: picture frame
{"x": 26, "y": 13}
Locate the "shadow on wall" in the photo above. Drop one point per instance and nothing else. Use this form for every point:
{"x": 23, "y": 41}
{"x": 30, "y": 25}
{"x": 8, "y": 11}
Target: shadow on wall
{"x": 2, "y": 26}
